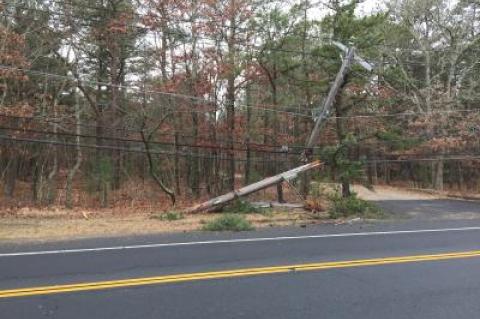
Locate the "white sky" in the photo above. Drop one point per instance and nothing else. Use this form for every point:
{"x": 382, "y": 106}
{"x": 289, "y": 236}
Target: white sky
{"x": 370, "y": 6}
{"x": 365, "y": 8}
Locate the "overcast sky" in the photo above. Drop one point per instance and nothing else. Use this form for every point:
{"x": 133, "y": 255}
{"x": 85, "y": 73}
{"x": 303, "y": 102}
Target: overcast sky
{"x": 365, "y": 8}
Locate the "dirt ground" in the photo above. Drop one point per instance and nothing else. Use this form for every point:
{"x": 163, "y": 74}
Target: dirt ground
{"x": 50, "y": 224}
{"x": 383, "y": 193}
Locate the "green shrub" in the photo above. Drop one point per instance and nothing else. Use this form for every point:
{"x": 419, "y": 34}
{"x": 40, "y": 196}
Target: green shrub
{"x": 352, "y": 206}
{"x": 169, "y": 216}
{"x": 228, "y": 222}
{"x": 241, "y": 207}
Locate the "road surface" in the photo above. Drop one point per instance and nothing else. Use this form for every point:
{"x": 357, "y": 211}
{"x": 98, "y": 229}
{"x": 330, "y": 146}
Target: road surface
{"x": 402, "y": 269}
{"x": 406, "y": 204}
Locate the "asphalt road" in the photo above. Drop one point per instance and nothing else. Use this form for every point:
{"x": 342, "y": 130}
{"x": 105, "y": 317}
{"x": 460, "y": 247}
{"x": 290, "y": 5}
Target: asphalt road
{"x": 362, "y": 283}
{"x": 430, "y": 209}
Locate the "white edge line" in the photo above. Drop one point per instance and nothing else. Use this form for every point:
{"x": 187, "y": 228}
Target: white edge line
{"x": 241, "y": 240}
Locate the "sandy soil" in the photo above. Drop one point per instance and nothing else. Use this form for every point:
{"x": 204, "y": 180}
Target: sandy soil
{"x": 382, "y": 193}
{"x": 51, "y": 225}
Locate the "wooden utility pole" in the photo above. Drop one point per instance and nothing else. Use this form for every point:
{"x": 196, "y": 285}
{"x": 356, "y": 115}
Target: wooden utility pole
{"x": 249, "y": 189}
{"x": 327, "y": 104}
{"x": 350, "y": 58}
{"x": 322, "y": 117}
{"x": 311, "y": 142}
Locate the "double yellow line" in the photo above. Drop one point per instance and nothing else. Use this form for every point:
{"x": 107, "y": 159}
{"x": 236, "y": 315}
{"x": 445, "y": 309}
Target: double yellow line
{"x": 90, "y": 286}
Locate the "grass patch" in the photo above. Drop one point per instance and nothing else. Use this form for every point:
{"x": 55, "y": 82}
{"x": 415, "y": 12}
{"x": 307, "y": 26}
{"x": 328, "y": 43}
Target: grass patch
{"x": 239, "y": 206}
{"x": 243, "y": 207}
{"x": 228, "y": 222}
{"x": 169, "y": 216}
{"x": 267, "y": 212}
{"x": 353, "y": 206}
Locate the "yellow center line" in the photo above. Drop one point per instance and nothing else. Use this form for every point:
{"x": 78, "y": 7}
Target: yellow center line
{"x": 99, "y": 285}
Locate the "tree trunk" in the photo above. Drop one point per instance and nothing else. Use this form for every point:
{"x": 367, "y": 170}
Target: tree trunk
{"x": 346, "y": 188}
{"x": 280, "y": 193}
{"x": 374, "y": 173}
{"x": 154, "y": 175}
{"x": 11, "y": 176}
{"x": 372, "y": 168}
{"x": 194, "y": 162}
{"x": 438, "y": 175}
{"x": 38, "y": 182}
{"x": 460, "y": 176}
{"x": 247, "y": 138}
{"x": 51, "y": 182}
{"x": 231, "y": 134}
{"x": 386, "y": 173}
{"x": 341, "y": 135}
{"x": 73, "y": 171}
{"x": 230, "y": 96}
{"x": 306, "y": 177}
{"x": 176, "y": 167}
{"x": 305, "y": 185}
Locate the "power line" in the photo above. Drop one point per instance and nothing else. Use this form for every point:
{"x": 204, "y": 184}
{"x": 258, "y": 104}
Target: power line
{"x": 131, "y": 150}
{"x": 282, "y": 149}
{"x": 60, "y": 121}
{"x": 198, "y": 137}
{"x": 256, "y": 107}
{"x": 215, "y": 147}
{"x": 169, "y": 94}
{"x": 426, "y": 159}
{"x": 396, "y": 48}
{"x": 256, "y": 160}
{"x": 406, "y": 114}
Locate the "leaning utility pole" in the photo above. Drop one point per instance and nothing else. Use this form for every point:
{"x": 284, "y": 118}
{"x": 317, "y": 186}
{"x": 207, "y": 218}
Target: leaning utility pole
{"x": 311, "y": 142}
{"x": 327, "y": 104}
{"x": 322, "y": 117}
{"x": 350, "y": 58}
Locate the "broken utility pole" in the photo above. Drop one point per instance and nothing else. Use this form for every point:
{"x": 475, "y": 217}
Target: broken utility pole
{"x": 350, "y": 58}
{"x": 327, "y": 105}
{"x": 252, "y": 188}
{"x": 307, "y": 153}
{"x": 322, "y": 117}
